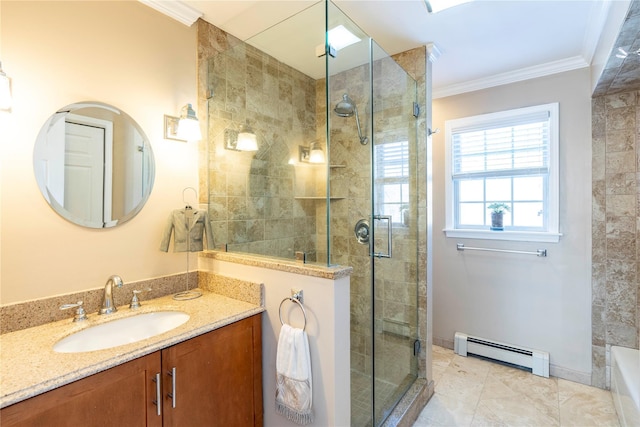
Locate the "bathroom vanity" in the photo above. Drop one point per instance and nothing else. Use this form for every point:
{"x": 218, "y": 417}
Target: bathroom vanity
{"x": 207, "y": 371}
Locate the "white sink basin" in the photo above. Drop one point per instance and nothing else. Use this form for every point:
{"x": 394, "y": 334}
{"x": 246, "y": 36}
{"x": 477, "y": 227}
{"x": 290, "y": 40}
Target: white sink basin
{"x": 122, "y": 331}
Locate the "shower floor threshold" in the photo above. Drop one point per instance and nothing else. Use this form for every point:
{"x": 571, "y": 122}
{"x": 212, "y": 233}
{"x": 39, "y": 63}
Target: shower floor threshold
{"x": 389, "y": 394}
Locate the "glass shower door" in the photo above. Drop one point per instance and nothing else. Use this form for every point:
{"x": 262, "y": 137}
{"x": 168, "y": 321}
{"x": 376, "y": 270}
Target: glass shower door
{"x": 373, "y": 218}
{"x": 394, "y": 251}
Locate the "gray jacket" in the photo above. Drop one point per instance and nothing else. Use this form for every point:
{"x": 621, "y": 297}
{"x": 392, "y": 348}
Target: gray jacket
{"x": 188, "y": 225}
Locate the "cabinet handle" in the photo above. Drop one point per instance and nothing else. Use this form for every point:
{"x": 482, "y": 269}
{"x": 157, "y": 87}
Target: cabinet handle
{"x": 158, "y": 401}
{"x": 172, "y": 395}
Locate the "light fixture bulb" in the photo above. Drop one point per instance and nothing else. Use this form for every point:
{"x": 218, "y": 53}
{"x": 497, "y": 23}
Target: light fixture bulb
{"x": 316, "y": 155}
{"x": 247, "y": 140}
{"x": 5, "y": 91}
{"x": 188, "y": 126}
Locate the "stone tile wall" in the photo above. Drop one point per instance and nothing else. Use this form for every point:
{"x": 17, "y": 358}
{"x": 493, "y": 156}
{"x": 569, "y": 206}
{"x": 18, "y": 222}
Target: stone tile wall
{"x": 252, "y": 195}
{"x": 615, "y": 228}
{"x": 418, "y": 64}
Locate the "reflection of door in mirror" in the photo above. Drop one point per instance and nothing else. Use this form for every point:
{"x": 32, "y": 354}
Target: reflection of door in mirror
{"x": 83, "y": 172}
{"x": 88, "y": 166}
{"x": 85, "y": 187}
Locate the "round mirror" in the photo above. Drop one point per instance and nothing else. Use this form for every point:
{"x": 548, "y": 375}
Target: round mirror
{"x": 94, "y": 165}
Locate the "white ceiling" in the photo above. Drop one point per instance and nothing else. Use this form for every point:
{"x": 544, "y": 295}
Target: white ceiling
{"x": 481, "y": 44}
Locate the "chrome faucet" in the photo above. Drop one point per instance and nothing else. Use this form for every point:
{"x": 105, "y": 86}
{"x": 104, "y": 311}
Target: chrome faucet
{"x": 107, "y": 300}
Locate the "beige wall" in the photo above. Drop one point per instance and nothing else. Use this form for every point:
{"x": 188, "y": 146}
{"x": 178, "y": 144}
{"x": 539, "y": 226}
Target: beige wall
{"x": 541, "y": 303}
{"x": 121, "y": 53}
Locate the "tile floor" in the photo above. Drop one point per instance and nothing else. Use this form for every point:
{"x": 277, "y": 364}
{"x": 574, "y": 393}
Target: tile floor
{"x": 473, "y": 392}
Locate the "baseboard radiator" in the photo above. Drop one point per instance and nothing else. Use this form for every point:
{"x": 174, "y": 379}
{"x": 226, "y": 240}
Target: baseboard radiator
{"x": 537, "y": 361}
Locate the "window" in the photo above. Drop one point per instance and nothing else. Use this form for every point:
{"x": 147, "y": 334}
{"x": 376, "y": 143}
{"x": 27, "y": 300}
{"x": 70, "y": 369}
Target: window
{"x": 392, "y": 179}
{"x": 508, "y": 157}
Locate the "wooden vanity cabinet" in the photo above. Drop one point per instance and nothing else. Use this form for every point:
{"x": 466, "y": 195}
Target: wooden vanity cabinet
{"x": 120, "y": 396}
{"x": 218, "y": 378}
{"x": 218, "y": 382}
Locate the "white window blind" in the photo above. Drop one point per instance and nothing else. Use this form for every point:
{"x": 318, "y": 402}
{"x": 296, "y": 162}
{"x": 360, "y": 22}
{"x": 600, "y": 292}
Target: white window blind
{"x": 392, "y": 178}
{"x": 392, "y": 159}
{"x": 515, "y": 146}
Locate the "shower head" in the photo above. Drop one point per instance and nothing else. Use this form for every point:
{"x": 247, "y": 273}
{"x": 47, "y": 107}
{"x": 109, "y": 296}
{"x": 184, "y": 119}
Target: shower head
{"x": 347, "y": 108}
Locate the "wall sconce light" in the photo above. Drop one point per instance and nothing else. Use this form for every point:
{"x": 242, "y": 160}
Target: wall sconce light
{"x": 311, "y": 154}
{"x": 183, "y": 128}
{"x": 243, "y": 140}
{"x": 316, "y": 155}
{"x": 188, "y": 126}
{"x": 5, "y": 91}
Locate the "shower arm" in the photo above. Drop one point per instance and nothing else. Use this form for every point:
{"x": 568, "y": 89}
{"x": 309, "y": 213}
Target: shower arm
{"x": 363, "y": 139}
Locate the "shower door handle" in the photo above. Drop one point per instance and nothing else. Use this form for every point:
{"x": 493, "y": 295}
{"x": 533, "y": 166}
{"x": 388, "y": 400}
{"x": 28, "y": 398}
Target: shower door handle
{"x": 389, "y": 231}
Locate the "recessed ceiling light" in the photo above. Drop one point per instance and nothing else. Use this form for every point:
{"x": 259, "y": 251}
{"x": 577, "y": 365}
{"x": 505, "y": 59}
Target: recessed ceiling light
{"x": 340, "y": 37}
{"x": 434, "y": 6}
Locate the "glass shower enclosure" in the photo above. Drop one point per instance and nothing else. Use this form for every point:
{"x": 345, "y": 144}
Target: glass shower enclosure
{"x": 335, "y": 178}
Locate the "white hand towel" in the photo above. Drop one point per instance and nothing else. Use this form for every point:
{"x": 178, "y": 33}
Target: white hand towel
{"x": 293, "y": 376}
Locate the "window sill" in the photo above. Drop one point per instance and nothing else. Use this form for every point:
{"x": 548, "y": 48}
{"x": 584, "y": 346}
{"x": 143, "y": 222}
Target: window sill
{"x": 519, "y": 236}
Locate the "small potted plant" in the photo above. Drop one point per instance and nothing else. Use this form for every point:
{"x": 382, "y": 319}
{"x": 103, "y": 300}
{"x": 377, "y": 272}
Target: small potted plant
{"x": 497, "y": 214}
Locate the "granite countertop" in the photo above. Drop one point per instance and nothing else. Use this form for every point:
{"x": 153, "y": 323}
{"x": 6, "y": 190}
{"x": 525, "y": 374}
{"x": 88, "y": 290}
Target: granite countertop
{"x": 281, "y": 264}
{"x": 29, "y": 366}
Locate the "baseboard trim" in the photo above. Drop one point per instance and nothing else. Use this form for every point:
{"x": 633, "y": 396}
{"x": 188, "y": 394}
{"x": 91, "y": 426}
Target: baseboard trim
{"x": 570, "y": 374}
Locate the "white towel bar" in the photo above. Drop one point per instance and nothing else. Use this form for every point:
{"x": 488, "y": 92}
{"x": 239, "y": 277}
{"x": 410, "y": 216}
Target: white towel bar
{"x": 538, "y": 252}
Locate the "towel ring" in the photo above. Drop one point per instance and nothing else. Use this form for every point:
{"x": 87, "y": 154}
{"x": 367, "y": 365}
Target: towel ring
{"x": 304, "y": 313}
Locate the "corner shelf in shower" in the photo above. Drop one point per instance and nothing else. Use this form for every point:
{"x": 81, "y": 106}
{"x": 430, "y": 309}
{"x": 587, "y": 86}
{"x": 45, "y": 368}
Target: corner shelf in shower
{"x": 318, "y": 198}
{"x": 320, "y": 164}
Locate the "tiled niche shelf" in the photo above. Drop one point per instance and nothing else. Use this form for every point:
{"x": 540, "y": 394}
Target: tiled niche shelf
{"x": 317, "y": 198}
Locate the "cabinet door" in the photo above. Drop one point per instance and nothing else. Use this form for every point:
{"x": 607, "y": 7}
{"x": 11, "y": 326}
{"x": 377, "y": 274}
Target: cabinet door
{"x": 120, "y": 396}
{"x": 218, "y": 378}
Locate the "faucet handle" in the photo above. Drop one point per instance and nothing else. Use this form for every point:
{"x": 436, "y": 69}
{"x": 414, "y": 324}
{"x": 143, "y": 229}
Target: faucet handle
{"x": 80, "y": 313}
{"x": 135, "y": 302}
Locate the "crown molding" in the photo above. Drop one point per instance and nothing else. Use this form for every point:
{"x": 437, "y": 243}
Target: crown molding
{"x": 175, "y": 9}
{"x": 595, "y": 26}
{"x": 536, "y": 71}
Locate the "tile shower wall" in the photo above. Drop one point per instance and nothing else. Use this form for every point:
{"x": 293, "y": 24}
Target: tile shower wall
{"x": 615, "y": 228}
{"x": 252, "y": 196}
{"x": 417, "y": 63}
{"x": 353, "y": 185}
